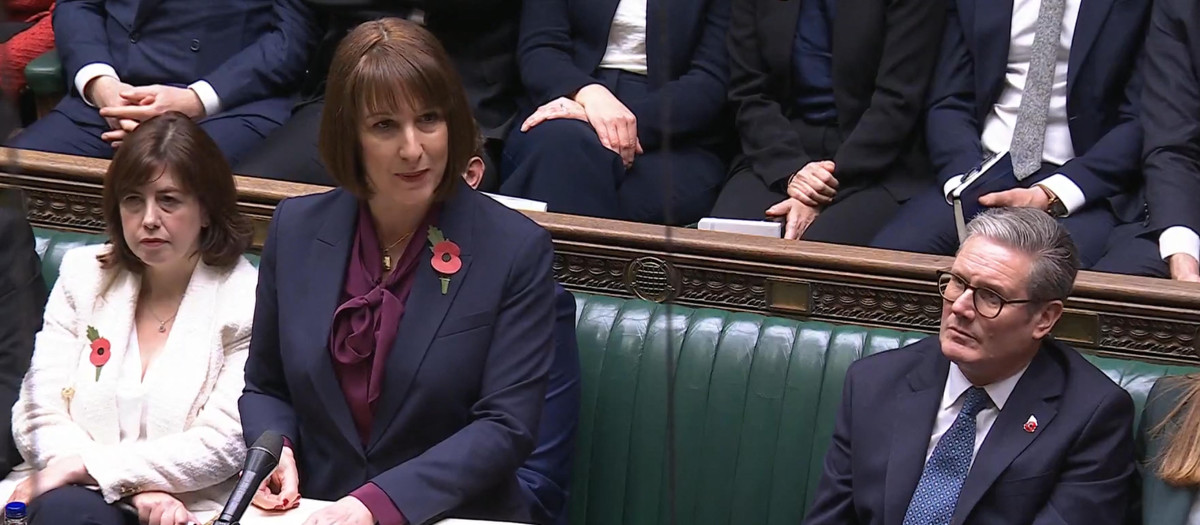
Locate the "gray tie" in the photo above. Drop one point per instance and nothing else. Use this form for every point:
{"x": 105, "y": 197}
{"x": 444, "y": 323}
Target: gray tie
{"x": 1029, "y": 136}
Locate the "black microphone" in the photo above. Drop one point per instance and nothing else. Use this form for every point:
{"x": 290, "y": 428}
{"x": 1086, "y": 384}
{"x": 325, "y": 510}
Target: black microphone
{"x": 260, "y": 461}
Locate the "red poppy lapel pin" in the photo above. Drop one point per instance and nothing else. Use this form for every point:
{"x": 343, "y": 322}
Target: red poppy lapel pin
{"x": 101, "y": 349}
{"x": 446, "y": 259}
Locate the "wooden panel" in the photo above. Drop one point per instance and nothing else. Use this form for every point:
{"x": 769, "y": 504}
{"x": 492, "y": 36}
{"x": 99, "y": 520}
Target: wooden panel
{"x": 1150, "y": 319}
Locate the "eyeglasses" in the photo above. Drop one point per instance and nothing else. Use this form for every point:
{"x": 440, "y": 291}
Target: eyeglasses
{"x": 988, "y": 303}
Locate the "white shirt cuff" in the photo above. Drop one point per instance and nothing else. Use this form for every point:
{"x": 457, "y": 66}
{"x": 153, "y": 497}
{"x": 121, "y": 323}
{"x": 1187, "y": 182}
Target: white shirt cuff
{"x": 1066, "y": 190}
{"x": 1179, "y": 239}
{"x": 208, "y": 97}
{"x": 91, "y": 72}
{"x": 950, "y": 185}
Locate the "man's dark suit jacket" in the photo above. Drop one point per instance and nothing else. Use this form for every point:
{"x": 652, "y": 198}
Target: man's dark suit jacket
{"x": 1077, "y": 467}
{"x": 563, "y": 41}
{"x": 252, "y": 52}
{"x": 1171, "y": 115}
{"x": 884, "y": 54}
{"x": 479, "y": 35}
{"x": 22, "y": 297}
{"x": 465, "y": 381}
{"x": 1103, "y": 93}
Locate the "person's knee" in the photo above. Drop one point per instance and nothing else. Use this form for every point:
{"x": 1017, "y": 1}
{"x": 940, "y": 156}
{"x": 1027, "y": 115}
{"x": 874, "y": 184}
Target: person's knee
{"x": 560, "y": 136}
{"x": 66, "y": 505}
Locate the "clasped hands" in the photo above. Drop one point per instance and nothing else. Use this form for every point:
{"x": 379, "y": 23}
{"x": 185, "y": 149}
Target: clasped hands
{"x": 124, "y": 106}
{"x": 614, "y": 123}
{"x": 815, "y": 186}
{"x": 280, "y": 492}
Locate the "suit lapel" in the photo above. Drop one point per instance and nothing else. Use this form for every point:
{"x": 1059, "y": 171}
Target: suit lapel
{"x": 1034, "y": 395}
{"x": 94, "y": 405}
{"x": 188, "y": 351}
{"x": 1092, "y": 14}
{"x": 912, "y": 415}
{"x": 424, "y": 310}
{"x": 328, "y": 257}
{"x": 993, "y": 34}
{"x": 145, "y": 8}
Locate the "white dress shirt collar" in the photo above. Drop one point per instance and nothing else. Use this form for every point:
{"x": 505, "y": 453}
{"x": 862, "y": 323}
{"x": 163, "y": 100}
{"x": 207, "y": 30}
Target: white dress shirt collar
{"x": 999, "y": 391}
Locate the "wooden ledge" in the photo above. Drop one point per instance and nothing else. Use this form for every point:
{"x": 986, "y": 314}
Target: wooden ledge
{"x": 1143, "y": 318}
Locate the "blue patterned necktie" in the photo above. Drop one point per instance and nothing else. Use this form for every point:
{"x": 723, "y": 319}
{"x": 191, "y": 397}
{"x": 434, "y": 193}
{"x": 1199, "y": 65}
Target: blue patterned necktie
{"x": 937, "y": 493}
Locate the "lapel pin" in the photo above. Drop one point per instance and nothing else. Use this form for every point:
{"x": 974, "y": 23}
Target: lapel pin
{"x": 1031, "y": 424}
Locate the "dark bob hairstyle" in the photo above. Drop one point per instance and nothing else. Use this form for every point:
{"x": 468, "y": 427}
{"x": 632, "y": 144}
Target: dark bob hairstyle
{"x": 172, "y": 142}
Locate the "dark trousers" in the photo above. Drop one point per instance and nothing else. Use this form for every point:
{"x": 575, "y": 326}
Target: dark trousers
{"x": 562, "y": 163}
{"x": 926, "y": 223}
{"x": 1133, "y": 250}
{"x": 235, "y": 134}
{"x": 75, "y": 505}
{"x": 291, "y": 153}
{"x": 854, "y": 217}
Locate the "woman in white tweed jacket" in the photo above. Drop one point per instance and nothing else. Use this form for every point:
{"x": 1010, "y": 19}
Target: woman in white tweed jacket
{"x": 133, "y": 388}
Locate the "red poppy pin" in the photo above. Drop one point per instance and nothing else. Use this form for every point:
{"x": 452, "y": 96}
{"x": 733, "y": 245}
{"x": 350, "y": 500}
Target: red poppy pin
{"x": 1031, "y": 424}
{"x": 101, "y": 349}
{"x": 445, "y": 257}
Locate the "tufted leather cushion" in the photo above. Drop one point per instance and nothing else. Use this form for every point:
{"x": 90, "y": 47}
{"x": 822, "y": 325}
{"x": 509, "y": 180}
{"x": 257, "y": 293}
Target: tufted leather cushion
{"x": 755, "y": 403}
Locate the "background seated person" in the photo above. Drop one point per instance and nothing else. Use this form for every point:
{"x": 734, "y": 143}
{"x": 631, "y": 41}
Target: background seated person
{"x": 26, "y": 33}
{"x": 410, "y": 385}
{"x": 1172, "y": 460}
{"x": 629, "y": 109}
{"x": 1035, "y": 84}
{"x": 229, "y": 64}
{"x": 829, "y": 106}
{"x": 993, "y": 421}
{"x": 135, "y": 375}
{"x": 24, "y": 295}
{"x": 547, "y": 473}
{"x": 1170, "y": 113}
{"x": 479, "y": 35}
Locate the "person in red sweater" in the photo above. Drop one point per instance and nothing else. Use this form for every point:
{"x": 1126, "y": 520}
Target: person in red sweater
{"x": 25, "y": 33}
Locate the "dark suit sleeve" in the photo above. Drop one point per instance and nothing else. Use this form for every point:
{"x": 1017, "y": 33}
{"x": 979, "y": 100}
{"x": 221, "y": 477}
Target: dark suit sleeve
{"x": 544, "y": 52}
{"x": 511, "y": 394}
{"x": 274, "y": 64}
{"x": 1114, "y": 164}
{"x": 691, "y": 104}
{"x": 1171, "y": 117}
{"x": 547, "y": 472}
{"x": 266, "y": 402}
{"x": 22, "y": 297}
{"x": 834, "y": 502}
{"x": 1095, "y": 479}
{"x": 952, "y": 131}
{"x": 768, "y": 139}
{"x": 80, "y": 36}
{"x": 910, "y": 51}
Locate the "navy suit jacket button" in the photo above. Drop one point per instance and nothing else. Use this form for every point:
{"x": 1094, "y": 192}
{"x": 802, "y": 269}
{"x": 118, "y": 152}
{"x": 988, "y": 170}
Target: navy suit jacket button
{"x": 195, "y": 45}
{"x": 133, "y": 37}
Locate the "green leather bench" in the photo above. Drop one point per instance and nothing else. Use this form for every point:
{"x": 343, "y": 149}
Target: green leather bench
{"x": 754, "y": 406}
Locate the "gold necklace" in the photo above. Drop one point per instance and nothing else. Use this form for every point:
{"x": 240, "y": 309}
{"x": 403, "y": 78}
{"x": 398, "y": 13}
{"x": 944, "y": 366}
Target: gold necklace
{"x": 387, "y": 258}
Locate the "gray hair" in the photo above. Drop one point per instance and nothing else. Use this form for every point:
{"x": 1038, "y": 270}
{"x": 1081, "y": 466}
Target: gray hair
{"x": 1033, "y": 232}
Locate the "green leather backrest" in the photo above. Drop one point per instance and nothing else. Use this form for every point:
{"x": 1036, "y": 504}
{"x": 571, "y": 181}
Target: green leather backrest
{"x": 754, "y": 408}
{"x": 52, "y": 244}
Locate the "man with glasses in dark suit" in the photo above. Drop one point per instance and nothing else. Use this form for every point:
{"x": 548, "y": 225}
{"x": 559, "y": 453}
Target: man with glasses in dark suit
{"x": 993, "y": 421}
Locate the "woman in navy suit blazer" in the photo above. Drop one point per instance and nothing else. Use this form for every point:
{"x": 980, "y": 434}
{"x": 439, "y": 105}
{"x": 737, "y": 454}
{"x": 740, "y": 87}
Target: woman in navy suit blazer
{"x": 630, "y": 98}
{"x": 404, "y": 325}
